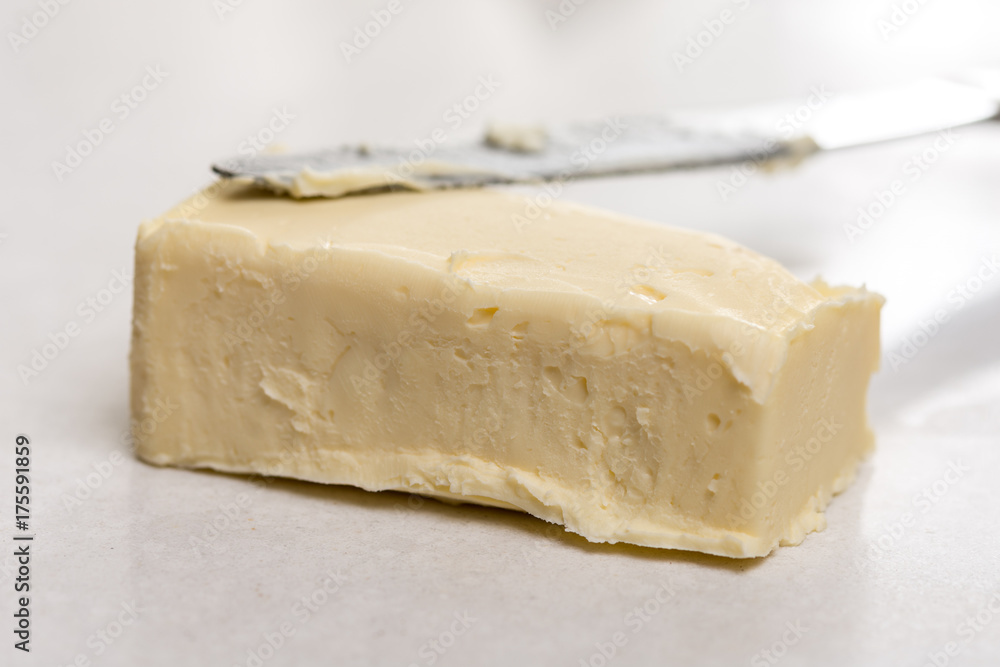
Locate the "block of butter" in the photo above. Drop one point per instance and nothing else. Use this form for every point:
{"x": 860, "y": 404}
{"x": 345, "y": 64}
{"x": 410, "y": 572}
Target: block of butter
{"x": 632, "y": 381}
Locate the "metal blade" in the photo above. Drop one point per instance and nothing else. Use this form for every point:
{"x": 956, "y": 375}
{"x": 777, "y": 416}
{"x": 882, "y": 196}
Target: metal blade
{"x": 924, "y": 106}
{"x": 617, "y": 146}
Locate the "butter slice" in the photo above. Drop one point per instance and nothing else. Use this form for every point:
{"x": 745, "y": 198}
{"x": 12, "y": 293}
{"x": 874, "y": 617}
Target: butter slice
{"x": 631, "y": 381}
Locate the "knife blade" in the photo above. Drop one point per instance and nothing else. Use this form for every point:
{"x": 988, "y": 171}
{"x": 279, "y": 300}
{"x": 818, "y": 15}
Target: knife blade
{"x": 618, "y": 146}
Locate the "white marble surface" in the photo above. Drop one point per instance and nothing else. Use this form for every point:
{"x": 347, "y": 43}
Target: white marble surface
{"x": 392, "y": 578}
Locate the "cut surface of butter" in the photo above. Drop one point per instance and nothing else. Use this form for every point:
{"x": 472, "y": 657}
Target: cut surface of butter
{"x": 632, "y": 381}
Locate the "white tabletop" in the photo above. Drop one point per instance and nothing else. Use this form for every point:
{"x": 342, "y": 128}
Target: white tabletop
{"x": 136, "y": 565}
